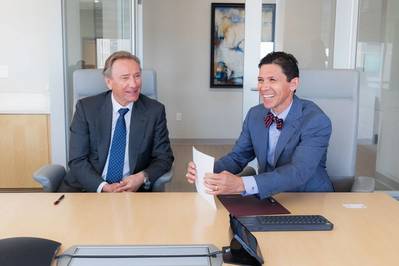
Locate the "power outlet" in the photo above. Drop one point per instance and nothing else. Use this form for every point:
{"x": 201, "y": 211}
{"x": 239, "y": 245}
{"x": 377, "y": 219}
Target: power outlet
{"x": 179, "y": 116}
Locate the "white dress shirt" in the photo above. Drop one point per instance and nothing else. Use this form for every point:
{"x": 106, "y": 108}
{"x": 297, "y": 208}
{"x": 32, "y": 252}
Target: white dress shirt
{"x": 115, "y": 115}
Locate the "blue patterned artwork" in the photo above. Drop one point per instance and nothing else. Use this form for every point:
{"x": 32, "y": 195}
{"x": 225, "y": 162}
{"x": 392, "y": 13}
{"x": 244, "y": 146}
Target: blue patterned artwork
{"x": 227, "y": 47}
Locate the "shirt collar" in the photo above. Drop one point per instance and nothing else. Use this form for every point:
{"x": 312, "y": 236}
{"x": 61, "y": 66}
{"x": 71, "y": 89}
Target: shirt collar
{"x": 284, "y": 113}
{"x": 116, "y": 106}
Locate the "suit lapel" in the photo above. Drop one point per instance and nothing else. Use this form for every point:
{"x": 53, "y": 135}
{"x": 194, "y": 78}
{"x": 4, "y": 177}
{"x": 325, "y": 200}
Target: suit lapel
{"x": 291, "y": 124}
{"x": 137, "y": 130}
{"x": 263, "y": 142}
{"x": 104, "y": 128}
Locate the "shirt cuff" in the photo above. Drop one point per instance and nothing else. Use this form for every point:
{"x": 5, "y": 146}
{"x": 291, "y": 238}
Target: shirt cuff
{"x": 100, "y": 187}
{"x": 250, "y": 186}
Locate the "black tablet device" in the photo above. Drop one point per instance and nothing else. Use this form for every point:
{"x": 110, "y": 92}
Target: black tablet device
{"x": 244, "y": 248}
{"x": 246, "y": 239}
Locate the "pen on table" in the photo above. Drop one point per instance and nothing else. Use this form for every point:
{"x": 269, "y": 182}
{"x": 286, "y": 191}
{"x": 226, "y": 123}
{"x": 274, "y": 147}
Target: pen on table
{"x": 59, "y": 199}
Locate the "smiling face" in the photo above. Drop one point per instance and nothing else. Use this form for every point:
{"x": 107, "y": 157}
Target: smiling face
{"x": 125, "y": 81}
{"x": 274, "y": 88}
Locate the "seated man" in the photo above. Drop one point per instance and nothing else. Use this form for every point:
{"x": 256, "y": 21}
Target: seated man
{"x": 288, "y": 136}
{"x": 119, "y": 138}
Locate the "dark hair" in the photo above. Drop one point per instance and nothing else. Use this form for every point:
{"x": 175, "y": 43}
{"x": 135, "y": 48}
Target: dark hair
{"x": 287, "y": 62}
{"x": 107, "y": 71}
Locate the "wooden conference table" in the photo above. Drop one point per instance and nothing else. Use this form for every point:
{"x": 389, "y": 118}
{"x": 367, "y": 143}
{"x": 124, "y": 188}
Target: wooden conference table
{"x": 362, "y": 236}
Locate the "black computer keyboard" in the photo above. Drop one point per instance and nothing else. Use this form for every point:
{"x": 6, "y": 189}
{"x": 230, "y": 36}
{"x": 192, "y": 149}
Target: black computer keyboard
{"x": 286, "y": 223}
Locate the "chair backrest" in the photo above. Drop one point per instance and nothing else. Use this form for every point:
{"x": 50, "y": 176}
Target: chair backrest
{"x": 88, "y": 82}
{"x": 336, "y": 93}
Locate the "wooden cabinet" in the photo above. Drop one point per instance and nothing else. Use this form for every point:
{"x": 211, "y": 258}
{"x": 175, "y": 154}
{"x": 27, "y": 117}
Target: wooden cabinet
{"x": 24, "y": 147}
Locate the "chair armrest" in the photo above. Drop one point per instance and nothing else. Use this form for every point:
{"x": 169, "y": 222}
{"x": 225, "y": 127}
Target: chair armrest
{"x": 50, "y": 176}
{"x": 159, "y": 184}
{"x": 363, "y": 184}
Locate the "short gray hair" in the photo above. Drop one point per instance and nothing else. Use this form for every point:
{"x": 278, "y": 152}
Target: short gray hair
{"x": 107, "y": 71}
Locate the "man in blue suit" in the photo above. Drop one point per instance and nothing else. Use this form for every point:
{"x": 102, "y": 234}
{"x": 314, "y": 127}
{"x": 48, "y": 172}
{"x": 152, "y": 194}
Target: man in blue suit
{"x": 288, "y": 136}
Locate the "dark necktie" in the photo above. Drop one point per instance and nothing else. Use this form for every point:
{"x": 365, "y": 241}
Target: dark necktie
{"x": 270, "y": 118}
{"x": 118, "y": 146}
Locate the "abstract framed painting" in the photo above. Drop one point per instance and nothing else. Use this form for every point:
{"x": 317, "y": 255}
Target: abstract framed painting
{"x": 227, "y": 45}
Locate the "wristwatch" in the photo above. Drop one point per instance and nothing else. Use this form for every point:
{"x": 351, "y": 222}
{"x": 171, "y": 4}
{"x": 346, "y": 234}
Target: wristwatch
{"x": 147, "y": 182}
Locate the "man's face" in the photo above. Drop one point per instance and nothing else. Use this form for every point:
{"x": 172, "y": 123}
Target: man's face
{"x": 125, "y": 81}
{"x": 274, "y": 89}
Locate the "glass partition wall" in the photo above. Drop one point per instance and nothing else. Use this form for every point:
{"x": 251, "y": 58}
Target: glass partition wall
{"x": 93, "y": 29}
{"x": 378, "y": 63}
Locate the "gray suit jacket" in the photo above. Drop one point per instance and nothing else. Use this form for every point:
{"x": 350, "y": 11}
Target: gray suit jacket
{"x": 90, "y": 138}
{"x": 300, "y": 154}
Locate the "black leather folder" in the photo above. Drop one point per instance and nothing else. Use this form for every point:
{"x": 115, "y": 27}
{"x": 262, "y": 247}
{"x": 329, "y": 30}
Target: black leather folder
{"x": 238, "y": 205}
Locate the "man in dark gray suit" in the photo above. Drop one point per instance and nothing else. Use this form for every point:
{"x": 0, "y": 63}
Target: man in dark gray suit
{"x": 118, "y": 139}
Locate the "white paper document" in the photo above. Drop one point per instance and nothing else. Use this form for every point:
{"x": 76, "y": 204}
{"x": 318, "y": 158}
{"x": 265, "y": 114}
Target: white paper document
{"x": 354, "y": 205}
{"x": 204, "y": 164}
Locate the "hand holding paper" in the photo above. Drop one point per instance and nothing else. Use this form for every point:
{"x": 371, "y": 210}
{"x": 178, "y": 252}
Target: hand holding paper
{"x": 204, "y": 164}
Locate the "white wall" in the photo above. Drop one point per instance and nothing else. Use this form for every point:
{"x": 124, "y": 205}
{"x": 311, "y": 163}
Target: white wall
{"x": 252, "y": 54}
{"x": 24, "y": 42}
{"x": 31, "y": 50}
{"x": 177, "y": 45}
{"x": 308, "y": 29}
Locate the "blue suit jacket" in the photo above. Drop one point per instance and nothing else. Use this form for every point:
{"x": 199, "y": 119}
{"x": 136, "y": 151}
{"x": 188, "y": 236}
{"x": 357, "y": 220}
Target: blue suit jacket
{"x": 300, "y": 155}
